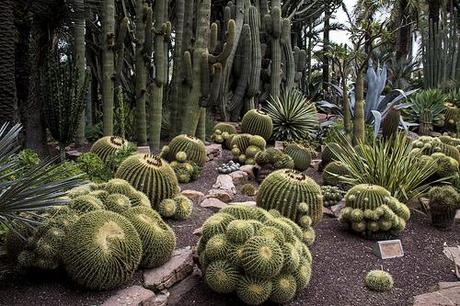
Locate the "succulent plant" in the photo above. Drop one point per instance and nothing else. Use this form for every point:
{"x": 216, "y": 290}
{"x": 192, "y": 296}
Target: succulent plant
{"x": 86, "y": 203}
{"x": 249, "y": 190}
{"x": 445, "y": 166}
{"x": 167, "y": 208}
{"x": 429, "y": 145}
{"x": 328, "y": 154}
{"x": 258, "y": 141}
{"x": 227, "y": 168}
{"x": 158, "y": 239}
{"x": 443, "y": 206}
{"x": 117, "y": 203}
{"x": 106, "y": 147}
{"x": 186, "y": 171}
{"x": 240, "y": 141}
{"x": 151, "y": 175}
{"x": 378, "y": 280}
{"x": 371, "y": 210}
{"x": 184, "y": 207}
{"x": 332, "y": 195}
{"x": 284, "y": 190}
{"x": 332, "y": 173}
{"x": 254, "y": 253}
{"x": 257, "y": 122}
{"x": 193, "y": 147}
{"x": 300, "y": 155}
{"x": 102, "y": 250}
{"x": 225, "y": 127}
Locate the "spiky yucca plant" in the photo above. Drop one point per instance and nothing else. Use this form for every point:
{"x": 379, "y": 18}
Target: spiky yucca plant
{"x": 391, "y": 164}
{"x": 426, "y": 109}
{"x": 33, "y": 190}
{"x": 294, "y": 117}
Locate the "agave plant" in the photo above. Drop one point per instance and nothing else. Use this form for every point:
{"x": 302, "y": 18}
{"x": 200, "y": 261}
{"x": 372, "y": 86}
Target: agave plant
{"x": 294, "y": 117}
{"x": 32, "y": 191}
{"x": 427, "y": 108}
{"x": 391, "y": 164}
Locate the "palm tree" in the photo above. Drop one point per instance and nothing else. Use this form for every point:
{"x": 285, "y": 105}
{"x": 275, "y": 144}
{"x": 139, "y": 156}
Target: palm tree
{"x": 8, "y": 99}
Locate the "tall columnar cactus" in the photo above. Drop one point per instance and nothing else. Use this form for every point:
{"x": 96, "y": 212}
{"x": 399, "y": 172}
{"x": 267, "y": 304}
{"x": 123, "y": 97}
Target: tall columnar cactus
{"x": 274, "y": 27}
{"x": 151, "y": 175}
{"x": 162, "y": 32}
{"x": 390, "y": 124}
{"x": 80, "y": 59}
{"x": 371, "y": 210}
{"x": 293, "y": 194}
{"x": 257, "y": 122}
{"x": 108, "y": 69}
{"x": 258, "y": 255}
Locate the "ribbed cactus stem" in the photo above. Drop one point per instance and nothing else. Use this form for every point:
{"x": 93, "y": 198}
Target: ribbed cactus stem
{"x": 358, "y": 124}
{"x": 290, "y": 65}
{"x": 213, "y": 40}
{"x": 80, "y": 62}
{"x": 390, "y": 124}
{"x": 108, "y": 34}
{"x": 254, "y": 79}
{"x": 228, "y": 45}
{"x": 216, "y": 80}
{"x": 141, "y": 74}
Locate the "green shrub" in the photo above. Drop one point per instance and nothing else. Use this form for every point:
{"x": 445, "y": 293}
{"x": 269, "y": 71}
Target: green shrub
{"x": 94, "y": 167}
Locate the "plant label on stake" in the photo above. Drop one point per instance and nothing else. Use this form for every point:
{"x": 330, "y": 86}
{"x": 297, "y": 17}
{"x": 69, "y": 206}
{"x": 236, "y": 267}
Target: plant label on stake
{"x": 389, "y": 249}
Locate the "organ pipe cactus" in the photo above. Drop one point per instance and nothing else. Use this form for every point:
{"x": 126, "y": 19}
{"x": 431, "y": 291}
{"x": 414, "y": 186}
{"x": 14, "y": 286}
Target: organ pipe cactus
{"x": 108, "y": 40}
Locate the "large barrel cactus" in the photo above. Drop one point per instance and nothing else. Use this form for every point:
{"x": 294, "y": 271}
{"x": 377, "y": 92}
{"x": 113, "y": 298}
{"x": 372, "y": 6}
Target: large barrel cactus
{"x": 257, "y": 122}
{"x": 293, "y": 194}
{"x": 332, "y": 173}
{"x": 151, "y": 175}
{"x": 106, "y": 147}
{"x": 102, "y": 251}
{"x": 429, "y": 145}
{"x": 328, "y": 154}
{"x": 300, "y": 155}
{"x": 372, "y": 211}
{"x": 192, "y": 146}
{"x": 258, "y": 255}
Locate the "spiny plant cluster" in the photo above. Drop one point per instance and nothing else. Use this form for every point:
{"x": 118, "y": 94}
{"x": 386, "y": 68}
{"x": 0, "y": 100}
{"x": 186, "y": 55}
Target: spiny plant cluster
{"x": 186, "y": 170}
{"x": 193, "y": 148}
{"x": 331, "y": 195}
{"x": 371, "y": 210}
{"x": 254, "y": 253}
{"x": 245, "y": 147}
{"x": 223, "y": 134}
{"x": 178, "y": 208}
{"x": 106, "y": 232}
{"x": 272, "y": 159}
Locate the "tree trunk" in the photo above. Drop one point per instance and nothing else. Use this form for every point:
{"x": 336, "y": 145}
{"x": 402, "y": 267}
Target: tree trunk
{"x": 8, "y": 98}
{"x": 80, "y": 61}
{"x": 403, "y": 42}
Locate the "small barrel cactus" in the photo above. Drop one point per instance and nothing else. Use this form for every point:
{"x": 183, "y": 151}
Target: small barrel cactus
{"x": 300, "y": 155}
{"x": 332, "y": 195}
{"x": 443, "y": 206}
{"x": 151, "y": 175}
{"x": 257, "y": 122}
{"x": 378, "y": 280}
{"x": 193, "y": 147}
{"x": 284, "y": 190}
{"x": 251, "y": 252}
{"x": 102, "y": 251}
{"x": 180, "y": 208}
{"x": 332, "y": 173}
{"x": 241, "y": 141}
{"x": 445, "y": 166}
{"x": 106, "y": 147}
{"x": 371, "y": 211}
{"x": 429, "y": 145}
{"x": 224, "y": 128}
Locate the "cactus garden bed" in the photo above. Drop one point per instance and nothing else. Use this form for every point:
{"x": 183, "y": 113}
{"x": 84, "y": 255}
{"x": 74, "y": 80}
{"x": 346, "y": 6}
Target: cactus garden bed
{"x": 340, "y": 264}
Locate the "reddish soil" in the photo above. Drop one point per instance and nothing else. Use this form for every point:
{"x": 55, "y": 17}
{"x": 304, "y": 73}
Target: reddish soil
{"x": 341, "y": 261}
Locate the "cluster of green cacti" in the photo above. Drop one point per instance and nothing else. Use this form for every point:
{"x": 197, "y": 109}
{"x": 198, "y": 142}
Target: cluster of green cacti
{"x": 274, "y": 158}
{"x": 258, "y": 255}
{"x": 249, "y": 190}
{"x": 331, "y": 195}
{"x": 328, "y": 154}
{"x": 106, "y": 232}
{"x": 378, "y": 280}
{"x": 446, "y": 166}
{"x": 444, "y": 201}
{"x": 294, "y": 195}
{"x": 450, "y": 141}
{"x": 429, "y": 145}
{"x": 256, "y": 122}
{"x": 371, "y": 210}
{"x": 193, "y": 148}
{"x": 452, "y": 117}
{"x": 150, "y": 174}
{"x": 186, "y": 170}
{"x": 179, "y": 208}
{"x": 245, "y": 147}
{"x": 332, "y": 173}
{"x": 107, "y": 147}
{"x": 300, "y": 155}
{"x": 223, "y": 133}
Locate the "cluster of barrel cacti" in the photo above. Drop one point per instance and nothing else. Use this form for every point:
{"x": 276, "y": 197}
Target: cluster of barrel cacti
{"x": 106, "y": 232}
{"x": 245, "y": 147}
{"x": 223, "y": 134}
{"x": 331, "y": 195}
{"x": 254, "y": 253}
{"x": 428, "y": 145}
{"x": 178, "y": 208}
{"x": 333, "y": 172}
{"x": 372, "y": 211}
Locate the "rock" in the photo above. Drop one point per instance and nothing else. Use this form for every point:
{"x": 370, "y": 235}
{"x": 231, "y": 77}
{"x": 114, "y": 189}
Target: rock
{"x": 453, "y": 253}
{"x": 457, "y": 216}
{"x": 239, "y": 177}
{"x": 222, "y": 195}
{"x": 176, "y": 269}
{"x": 160, "y": 299}
{"x": 225, "y": 182}
{"x": 444, "y": 297}
{"x": 73, "y": 154}
{"x": 134, "y": 295}
{"x": 181, "y": 289}
{"x": 447, "y": 285}
{"x": 328, "y": 212}
{"x": 198, "y": 232}
{"x": 247, "y": 203}
{"x": 315, "y": 163}
{"x": 337, "y": 208}
{"x": 195, "y": 196}
{"x": 279, "y": 145}
{"x": 249, "y": 169}
{"x": 213, "y": 203}
{"x": 143, "y": 150}
{"x": 214, "y": 150}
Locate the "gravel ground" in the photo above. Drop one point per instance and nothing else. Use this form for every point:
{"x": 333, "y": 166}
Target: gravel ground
{"x": 341, "y": 261}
